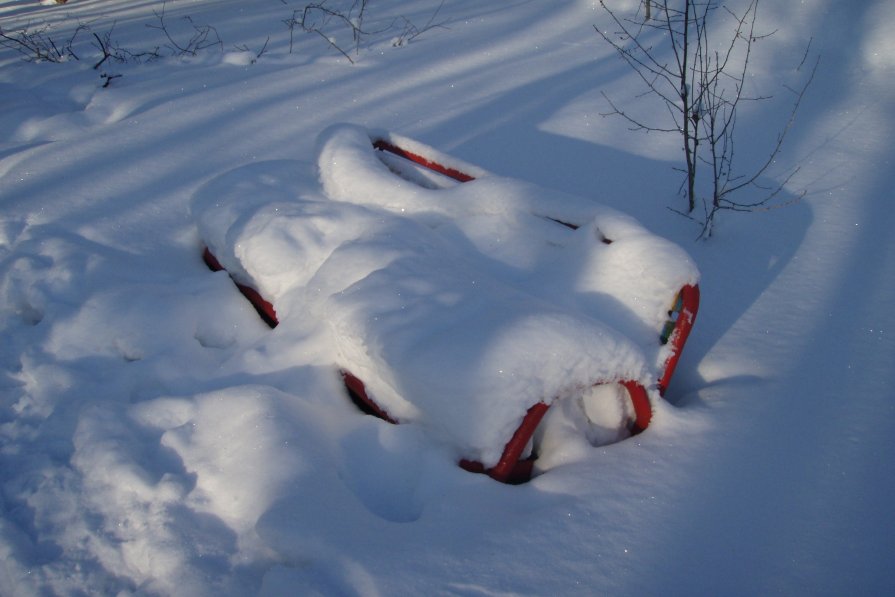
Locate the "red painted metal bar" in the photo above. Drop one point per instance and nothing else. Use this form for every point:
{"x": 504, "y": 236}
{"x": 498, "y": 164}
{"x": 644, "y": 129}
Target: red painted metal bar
{"x": 263, "y": 307}
{"x": 643, "y": 410}
{"x": 384, "y": 145}
{"x": 358, "y": 393}
{"x": 510, "y": 468}
{"x": 686, "y": 306}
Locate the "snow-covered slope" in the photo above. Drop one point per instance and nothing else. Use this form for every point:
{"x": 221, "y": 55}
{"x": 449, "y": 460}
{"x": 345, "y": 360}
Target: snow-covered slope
{"x": 157, "y": 438}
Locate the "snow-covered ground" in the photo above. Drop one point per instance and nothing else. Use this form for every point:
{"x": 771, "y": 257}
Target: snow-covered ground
{"x": 157, "y": 438}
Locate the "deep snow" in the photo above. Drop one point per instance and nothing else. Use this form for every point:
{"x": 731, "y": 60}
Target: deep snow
{"x": 460, "y": 307}
{"x": 157, "y": 438}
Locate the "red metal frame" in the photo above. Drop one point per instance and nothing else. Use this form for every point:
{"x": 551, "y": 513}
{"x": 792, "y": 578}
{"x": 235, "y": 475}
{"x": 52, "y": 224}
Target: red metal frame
{"x": 686, "y": 303}
{"x": 358, "y": 394}
{"x": 262, "y": 306}
{"x": 511, "y": 468}
{"x": 384, "y": 145}
{"x": 685, "y": 308}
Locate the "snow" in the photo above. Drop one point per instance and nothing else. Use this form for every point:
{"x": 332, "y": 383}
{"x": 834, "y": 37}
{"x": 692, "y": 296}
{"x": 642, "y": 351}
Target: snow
{"x": 157, "y": 438}
{"x": 445, "y": 301}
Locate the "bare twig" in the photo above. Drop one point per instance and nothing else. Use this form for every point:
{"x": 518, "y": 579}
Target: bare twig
{"x": 109, "y": 49}
{"x": 333, "y": 20}
{"x": 411, "y": 31}
{"x": 314, "y": 18}
{"x": 701, "y": 87}
{"x": 108, "y": 79}
{"x": 36, "y": 45}
{"x": 258, "y": 54}
{"x": 202, "y": 38}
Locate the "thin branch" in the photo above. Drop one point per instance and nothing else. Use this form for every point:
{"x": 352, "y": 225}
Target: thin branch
{"x": 204, "y": 36}
{"x": 701, "y": 90}
{"x": 783, "y": 133}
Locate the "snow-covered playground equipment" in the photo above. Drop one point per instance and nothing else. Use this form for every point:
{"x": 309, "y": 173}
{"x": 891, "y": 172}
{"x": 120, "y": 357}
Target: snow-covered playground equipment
{"x": 502, "y": 316}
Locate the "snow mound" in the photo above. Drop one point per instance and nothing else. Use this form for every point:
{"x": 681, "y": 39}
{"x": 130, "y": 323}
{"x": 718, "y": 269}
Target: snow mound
{"x": 446, "y": 325}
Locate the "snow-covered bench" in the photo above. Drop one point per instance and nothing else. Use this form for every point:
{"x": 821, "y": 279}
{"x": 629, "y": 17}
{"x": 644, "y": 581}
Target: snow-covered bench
{"x": 463, "y": 301}
{"x": 574, "y": 249}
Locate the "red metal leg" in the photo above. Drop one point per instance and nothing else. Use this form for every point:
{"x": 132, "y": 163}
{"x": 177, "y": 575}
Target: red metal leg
{"x": 262, "y": 306}
{"x": 384, "y": 145}
{"x": 358, "y": 394}
{"x": 686, "y": 307}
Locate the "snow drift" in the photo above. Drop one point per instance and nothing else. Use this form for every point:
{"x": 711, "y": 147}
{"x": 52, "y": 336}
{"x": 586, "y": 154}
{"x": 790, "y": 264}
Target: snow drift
{"x": 460, "y": 306}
